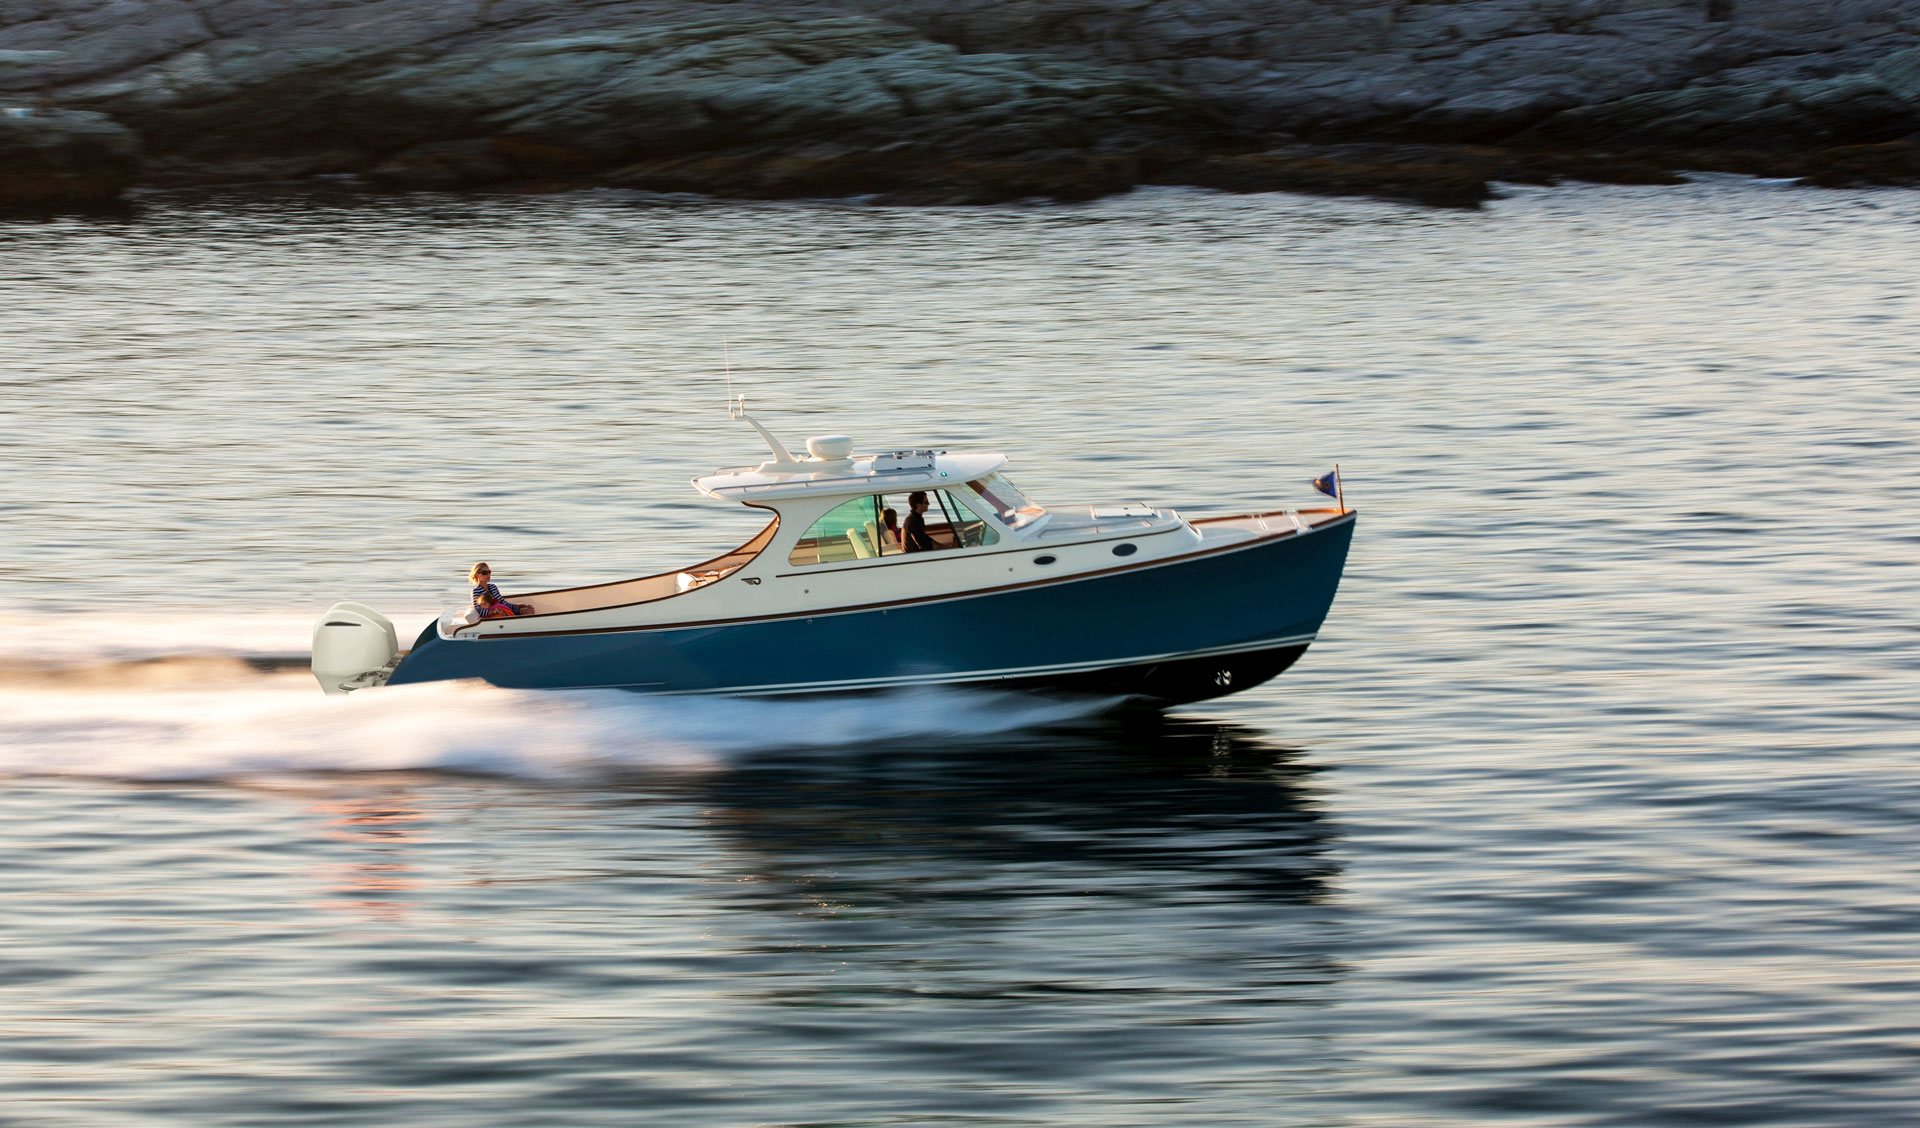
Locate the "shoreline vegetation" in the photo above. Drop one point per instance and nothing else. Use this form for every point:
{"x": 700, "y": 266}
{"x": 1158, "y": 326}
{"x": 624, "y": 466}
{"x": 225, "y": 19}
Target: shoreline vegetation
{"x": 961, "y": 102}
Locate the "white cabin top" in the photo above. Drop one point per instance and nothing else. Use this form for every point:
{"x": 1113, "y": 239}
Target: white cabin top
{"x": 856, "y": 474}
{"x": 831, "y": 467}
{"x": 813, "y": 492}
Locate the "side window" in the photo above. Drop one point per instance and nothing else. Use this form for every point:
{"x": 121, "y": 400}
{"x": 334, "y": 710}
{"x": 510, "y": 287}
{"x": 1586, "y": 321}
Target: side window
{"x": 968, "y": 530}
{"x": 946, "y": 522}
{"x": 848, "y": 531}
{"x": 863, "y": 528}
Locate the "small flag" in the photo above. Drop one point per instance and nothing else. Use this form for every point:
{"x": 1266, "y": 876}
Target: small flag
{"x": 1329, "y": 485}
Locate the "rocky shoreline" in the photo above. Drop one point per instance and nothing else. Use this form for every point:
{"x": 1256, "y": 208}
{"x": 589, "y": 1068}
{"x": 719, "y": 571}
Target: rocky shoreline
{"x": 970, "y": 101}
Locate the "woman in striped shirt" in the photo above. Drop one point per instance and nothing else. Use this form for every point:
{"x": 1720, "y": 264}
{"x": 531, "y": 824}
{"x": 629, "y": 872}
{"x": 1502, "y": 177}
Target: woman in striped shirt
{"x": 487, "y": 598}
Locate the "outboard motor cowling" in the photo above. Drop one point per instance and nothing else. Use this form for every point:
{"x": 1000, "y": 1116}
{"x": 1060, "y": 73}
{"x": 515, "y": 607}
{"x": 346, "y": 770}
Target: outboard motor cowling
{"x": 354, "y": 647}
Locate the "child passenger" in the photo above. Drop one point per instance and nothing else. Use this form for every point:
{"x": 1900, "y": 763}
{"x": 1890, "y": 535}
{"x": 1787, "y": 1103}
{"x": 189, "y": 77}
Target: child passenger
{"x": 487, "y": 597}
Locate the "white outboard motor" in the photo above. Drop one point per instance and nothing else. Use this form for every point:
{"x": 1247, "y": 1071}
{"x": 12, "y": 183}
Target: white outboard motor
{"x": 354, "y": 647}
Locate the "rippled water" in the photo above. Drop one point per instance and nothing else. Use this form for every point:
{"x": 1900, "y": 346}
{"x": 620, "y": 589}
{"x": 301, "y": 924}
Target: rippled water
{"x": 1596, "y": 803}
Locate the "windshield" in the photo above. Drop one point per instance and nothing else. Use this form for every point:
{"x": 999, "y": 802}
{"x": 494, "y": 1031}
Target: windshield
{"x": 1009, "y": 504}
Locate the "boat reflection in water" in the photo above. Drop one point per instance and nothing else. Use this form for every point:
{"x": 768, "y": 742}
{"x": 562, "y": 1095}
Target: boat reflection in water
{"x": 1141, "y": 805}
{"x": 1125, "y": 908}
{"x": 1142, "y": 832}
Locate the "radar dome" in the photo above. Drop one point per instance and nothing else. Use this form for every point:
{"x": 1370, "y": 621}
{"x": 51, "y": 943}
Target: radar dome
{"x": 830, "y": 448}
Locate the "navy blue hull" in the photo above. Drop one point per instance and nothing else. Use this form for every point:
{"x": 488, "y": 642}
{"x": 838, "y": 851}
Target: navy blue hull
{"x": 1182, "y": 630}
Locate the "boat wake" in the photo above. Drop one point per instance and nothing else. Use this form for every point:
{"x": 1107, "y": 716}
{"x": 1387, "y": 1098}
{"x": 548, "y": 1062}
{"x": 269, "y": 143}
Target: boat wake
{"x": 171, "y": 698}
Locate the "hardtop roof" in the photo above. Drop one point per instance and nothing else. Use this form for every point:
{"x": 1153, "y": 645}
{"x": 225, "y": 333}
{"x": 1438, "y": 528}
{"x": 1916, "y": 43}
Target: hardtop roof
{"x": 862, "y": 474}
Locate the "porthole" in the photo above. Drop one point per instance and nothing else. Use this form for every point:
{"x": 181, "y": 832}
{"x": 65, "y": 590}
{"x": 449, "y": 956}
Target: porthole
{"x": 1043, "y": 560}
{"x": 1125, "y": 549}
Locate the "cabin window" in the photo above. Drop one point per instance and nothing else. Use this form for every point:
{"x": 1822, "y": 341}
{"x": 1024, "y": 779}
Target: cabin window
{"x": 848, "y": 531}
{"x": 857, "y": 529}
{"x": 1008, "y": 503}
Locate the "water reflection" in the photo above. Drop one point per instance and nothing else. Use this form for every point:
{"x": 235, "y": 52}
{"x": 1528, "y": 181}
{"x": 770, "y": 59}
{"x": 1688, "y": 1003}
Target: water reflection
{"x": 379, "y": 827}
{"x": 1159, "y": 884}
{"x": 1140, "y": 802}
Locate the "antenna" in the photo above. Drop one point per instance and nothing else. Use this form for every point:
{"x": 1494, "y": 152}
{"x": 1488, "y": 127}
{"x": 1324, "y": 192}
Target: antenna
{"x": 783, "y": 463}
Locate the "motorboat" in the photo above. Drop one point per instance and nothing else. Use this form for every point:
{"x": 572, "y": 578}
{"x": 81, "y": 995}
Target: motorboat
{"x": 903, "y": 568}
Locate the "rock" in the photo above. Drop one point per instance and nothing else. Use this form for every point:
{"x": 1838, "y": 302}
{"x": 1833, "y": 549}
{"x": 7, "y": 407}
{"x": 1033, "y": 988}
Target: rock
{"x": 14, "y": 63}
{"x": 1551, "y": 167}
{"x": 1383, "y": 173}
{"x": 894, "y": 177}
{"x": 1407, "y": 70}
{"x": 1860, "y": 107}
{"x": 444, "y": 166}
{"x": 63, "y": 157}
{"x": 950, "y": 99}
{"x": 1488, "y": 115}
{"x": 681, "y": 98}
{"x": 1900, "y": 74}
{"x": 1896, "y": 164}
{"x": 1458, "y": 176}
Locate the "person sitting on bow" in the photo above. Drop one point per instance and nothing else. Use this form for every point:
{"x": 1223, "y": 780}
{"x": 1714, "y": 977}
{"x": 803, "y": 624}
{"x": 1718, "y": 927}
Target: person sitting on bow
{"x": 487, "y": 598}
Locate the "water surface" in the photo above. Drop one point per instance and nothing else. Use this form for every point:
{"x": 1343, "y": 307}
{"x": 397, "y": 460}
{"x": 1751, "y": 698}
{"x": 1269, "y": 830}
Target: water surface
{"x": 1595, "y": 804}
